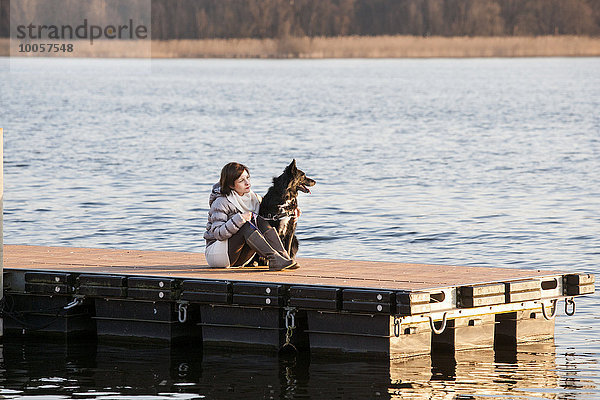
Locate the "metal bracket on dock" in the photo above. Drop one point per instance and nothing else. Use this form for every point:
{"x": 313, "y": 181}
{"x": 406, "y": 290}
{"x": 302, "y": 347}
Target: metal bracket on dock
{"x": 483, "y": 310}
{"x": 554, "y": 308}
{"x": 77, "y": 301}
{"x": 569, "y": 301}
{"x": 442, "y": 328}
{"x": 396, "y": 326}
{"x": 182, "y": 312}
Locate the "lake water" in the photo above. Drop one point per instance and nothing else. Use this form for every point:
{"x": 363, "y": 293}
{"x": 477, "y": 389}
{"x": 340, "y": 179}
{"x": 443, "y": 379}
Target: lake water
{"x": 486, "y": 162}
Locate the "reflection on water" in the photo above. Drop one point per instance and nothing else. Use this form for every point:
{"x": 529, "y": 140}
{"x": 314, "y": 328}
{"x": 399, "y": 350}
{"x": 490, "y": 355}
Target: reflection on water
{"x": 109, "y": 371}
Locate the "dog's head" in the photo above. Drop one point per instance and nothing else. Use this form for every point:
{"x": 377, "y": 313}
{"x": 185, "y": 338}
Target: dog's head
{"x": 297, "y": 179}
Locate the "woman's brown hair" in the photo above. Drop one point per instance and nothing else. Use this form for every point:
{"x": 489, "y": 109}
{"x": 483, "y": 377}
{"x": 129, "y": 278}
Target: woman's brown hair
{"x": 229, "y": 174}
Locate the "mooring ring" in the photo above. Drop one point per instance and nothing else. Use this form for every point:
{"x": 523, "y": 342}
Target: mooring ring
{"x": 569, "y": 301}
{"x": 182, "y": 314}
{"x": 442, "y": 328}
{"x": 396, "y": 326}
{"x": 553, "y": 310}
{"x": 290, "y": 319}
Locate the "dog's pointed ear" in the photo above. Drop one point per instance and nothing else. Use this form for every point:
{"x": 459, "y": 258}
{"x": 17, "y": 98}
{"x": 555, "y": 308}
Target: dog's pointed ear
{"x": 292, "y": 167}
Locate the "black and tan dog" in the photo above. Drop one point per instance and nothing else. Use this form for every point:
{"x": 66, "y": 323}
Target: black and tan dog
{"x": 280, "y": 204}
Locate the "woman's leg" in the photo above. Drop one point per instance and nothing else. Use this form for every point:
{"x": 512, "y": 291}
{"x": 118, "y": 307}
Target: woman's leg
{"x": 245, "y": 255}
{"x": 216, "y": 254}
{"x": 262, "y": 224}
{"x": 253, "y": 238}
{"x": 271, "y": 235}
{"x": 237, "y": 249}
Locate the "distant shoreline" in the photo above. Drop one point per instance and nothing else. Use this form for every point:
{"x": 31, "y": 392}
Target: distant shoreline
{"x": 343, "y": 47}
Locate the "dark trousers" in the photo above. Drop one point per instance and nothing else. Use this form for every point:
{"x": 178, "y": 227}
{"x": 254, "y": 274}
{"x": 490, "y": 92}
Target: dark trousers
{"x": 237, "y": 249}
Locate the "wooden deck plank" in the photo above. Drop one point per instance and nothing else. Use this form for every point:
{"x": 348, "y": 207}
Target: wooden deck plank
{"x": 313, "y": 271}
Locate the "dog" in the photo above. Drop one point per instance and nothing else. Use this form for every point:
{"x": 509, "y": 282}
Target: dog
{"x": 280, "y": 205}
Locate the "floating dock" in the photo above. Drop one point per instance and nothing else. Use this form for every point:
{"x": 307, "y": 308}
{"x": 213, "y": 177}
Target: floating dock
{"x": 392, "y": 309}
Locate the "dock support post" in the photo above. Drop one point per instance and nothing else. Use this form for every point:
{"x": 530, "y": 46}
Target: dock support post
{"x": 1, "y": 225}
{"x": 523, "y": 326}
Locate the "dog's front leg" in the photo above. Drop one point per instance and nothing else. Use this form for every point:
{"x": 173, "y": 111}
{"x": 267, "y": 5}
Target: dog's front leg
{"x": 291, "y": 243}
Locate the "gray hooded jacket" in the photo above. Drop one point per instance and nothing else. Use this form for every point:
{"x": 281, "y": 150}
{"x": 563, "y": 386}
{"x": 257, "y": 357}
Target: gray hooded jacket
{"x": 224, "y": 219}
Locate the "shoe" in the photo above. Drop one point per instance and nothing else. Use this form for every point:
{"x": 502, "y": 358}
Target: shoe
{"x": 277, "y": 262}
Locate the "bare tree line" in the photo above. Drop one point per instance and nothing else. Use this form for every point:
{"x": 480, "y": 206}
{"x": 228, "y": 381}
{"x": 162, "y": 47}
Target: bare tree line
{"x": 200, "y": 19}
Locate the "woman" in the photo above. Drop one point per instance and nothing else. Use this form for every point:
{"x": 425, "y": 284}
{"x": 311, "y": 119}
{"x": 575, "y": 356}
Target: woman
{"x": 235, "y": 232}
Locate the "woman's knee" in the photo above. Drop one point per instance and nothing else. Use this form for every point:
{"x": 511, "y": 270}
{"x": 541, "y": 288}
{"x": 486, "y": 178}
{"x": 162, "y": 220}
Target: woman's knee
{"x": 262, "y": 223}
{"x": 245, "y": 230}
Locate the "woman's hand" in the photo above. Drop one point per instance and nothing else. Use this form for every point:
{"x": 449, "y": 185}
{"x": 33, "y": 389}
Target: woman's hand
{"x": 247, "y": 216}
{"x": 297, "y": 213}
